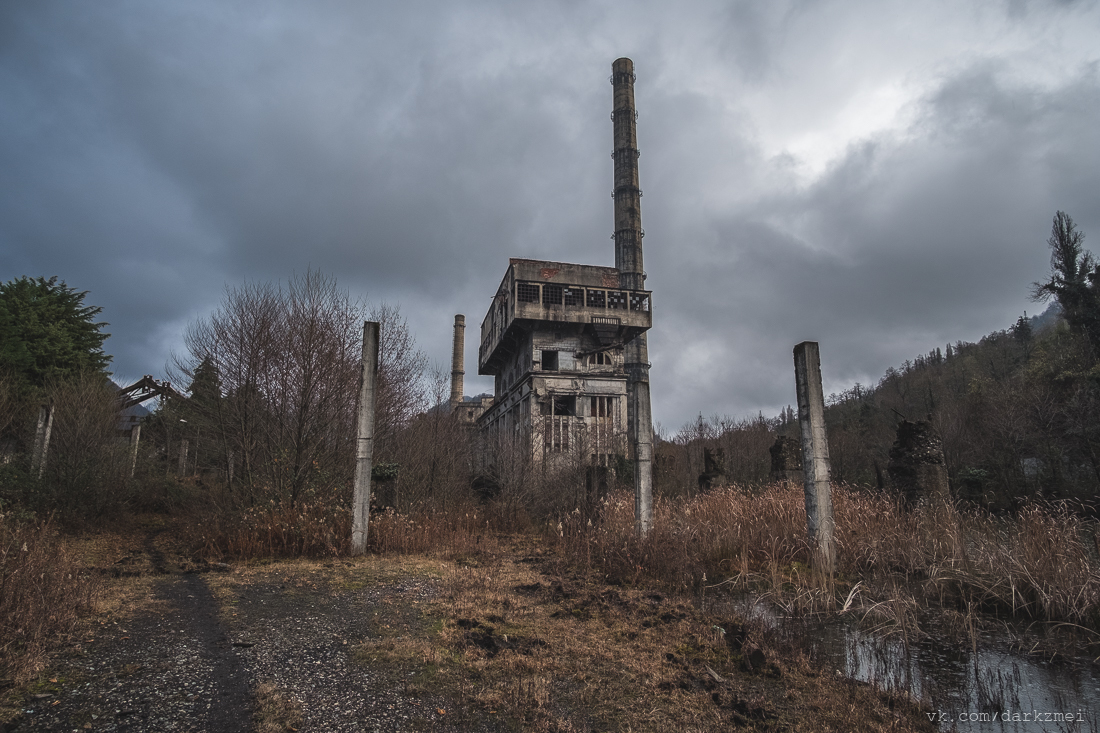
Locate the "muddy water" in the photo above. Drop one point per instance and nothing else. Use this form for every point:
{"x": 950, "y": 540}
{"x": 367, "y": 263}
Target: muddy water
{"x": 984, "y": 684}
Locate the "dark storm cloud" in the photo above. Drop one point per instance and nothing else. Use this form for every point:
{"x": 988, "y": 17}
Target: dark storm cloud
{"x": 152, "y": 152}
{"x": 906, "y": 243}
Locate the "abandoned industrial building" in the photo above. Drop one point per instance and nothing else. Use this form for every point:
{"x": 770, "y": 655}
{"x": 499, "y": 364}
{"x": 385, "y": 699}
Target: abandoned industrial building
{"x": 566, "y": 343}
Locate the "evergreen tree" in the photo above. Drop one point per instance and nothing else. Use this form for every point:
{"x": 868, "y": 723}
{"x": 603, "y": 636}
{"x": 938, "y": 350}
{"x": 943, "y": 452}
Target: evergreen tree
{"x": 48, "y": 333}
{"x": 1074, "y": 279}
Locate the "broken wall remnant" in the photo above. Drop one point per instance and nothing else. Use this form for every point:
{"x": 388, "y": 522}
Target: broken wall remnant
{"x": 712, "y": 468}
{"x": 815, "y": 454}
{"x": 917, "y": 468}
{"x": 786, "y": 459}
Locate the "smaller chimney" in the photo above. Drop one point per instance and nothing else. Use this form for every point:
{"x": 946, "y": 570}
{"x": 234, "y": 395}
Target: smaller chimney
{"x": 457, "y": 361}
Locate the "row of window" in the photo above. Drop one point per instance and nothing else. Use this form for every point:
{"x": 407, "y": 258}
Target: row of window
{"x": 550, "y": 360}
{"x": 576, "y": 296}
{"x": 567, "y": 406}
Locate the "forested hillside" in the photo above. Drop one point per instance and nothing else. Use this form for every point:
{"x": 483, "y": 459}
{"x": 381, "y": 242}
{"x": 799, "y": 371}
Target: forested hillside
{"x": 1018, "y": 412}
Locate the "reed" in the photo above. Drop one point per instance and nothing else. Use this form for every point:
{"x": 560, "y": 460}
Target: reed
{"x": 1035, "y": 565}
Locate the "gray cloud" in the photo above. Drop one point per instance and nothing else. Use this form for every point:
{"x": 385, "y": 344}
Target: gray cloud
{"x": 152, "y": 152}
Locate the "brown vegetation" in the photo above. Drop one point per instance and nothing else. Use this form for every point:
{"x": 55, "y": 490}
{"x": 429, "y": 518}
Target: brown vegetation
{"x": 1038, "y": 565}
{"x": 43, "y": 590}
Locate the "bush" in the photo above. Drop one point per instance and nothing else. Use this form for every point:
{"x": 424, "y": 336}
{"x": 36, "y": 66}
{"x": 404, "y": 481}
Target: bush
{"x": 42, "y": 593}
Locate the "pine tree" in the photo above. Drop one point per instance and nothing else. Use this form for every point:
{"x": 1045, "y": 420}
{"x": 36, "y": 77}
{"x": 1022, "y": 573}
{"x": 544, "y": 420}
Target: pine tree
{"x": 1074, "y": 279}
{"x": 48, "y": 333}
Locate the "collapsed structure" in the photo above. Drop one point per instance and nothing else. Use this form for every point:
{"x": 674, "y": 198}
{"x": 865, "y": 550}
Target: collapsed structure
{"x": 566, "y": 343}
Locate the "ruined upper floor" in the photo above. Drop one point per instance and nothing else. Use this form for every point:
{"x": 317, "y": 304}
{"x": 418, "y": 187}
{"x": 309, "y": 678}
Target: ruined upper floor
{"x": 537, "y": 294}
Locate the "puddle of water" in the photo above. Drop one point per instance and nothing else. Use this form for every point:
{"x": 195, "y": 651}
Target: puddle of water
{"x": 995, "y": 690}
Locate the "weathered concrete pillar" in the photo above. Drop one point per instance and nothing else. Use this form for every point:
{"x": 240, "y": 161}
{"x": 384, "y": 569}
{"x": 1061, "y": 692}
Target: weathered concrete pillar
{"x": 42, "y": 439}
{"x": 642, "y": 438}
{"x": 364, "y": 447}
{"x": 628, "y": 261}
{"x": 182, "y": 471}
{"x": 458, "y": 370}
{"x": 917, "y": 467}
{"x": 815, "y": 453}
{"x": 135, "y": 438}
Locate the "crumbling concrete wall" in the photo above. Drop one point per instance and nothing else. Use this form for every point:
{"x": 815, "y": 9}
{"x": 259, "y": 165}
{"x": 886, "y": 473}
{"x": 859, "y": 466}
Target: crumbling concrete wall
{"x": 712, "y": 469}
{"x": 917, "y": 468}
{"x": 786, "y": 459}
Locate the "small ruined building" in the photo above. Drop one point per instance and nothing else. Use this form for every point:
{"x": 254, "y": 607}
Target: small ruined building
{"x": 566, "y": 343}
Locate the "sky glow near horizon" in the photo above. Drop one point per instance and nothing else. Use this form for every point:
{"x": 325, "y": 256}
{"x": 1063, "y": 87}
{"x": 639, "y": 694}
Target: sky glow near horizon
{"x": 876, "y": 176}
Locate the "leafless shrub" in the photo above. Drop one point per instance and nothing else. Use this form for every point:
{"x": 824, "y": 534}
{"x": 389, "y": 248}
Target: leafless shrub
{"x": 42, "y": 593}
{"x": 434, "y": 454}
{"x": 87, "y": 467}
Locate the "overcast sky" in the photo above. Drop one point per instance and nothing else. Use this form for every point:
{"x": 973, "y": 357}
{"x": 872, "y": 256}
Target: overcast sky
{"x": 879, "y": 176}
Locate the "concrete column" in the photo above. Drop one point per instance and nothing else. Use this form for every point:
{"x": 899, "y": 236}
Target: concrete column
{"x": 815, "y": 454}
{"x": 364, "y": 450}
{"x": 641, "y": 435}
{"x": 182, "y": 471}
{"x": 135, "y": 438}
{"x": 42, "y": 439}
{"x": 458, "y": 371}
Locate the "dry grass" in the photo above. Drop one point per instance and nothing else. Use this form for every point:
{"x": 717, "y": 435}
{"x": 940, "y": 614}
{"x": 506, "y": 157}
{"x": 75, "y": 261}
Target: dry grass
{"x": 1037, "y": 565}
{"x": 277, "y": 710}
{"x": 42, "y": 594}
{"x": 321, "y": 528}
{"x": 314, "y": 528}
{"x": 544, "y": 652}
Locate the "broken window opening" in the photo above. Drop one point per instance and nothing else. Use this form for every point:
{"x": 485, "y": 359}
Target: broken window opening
{"x": 549, "y": 361}
{"x": 551, "y": 294}
{"x": 566, "y": 406}
{"x": 603, "y": 408}
{"x": 527, "y": 292}
{"x": 596, "y": 299}
{"x": 639, "y": 302}
{"x": 573, "y": 296}
{"x": 616, "y": 300}
{"x": 557, "y": 434}
{"x": 600, "y": 358}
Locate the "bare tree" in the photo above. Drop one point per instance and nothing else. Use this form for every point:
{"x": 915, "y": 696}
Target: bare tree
{"x": 287, "y": 361}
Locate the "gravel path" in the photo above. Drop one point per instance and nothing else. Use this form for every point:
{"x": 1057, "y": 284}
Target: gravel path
{"x": 181, "y": 666}
{"x": 175, "y": 671}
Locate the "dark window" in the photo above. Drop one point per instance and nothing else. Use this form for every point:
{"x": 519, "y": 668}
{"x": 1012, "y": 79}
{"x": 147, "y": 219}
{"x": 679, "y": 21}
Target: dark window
{"x": 549, "y": 361}
{"x": 527, "y": 292}
{"x": 573, "y": 296}
{"x": 616, "y": 300}
{"x": 596, "y": 299}
{"x": 565, "y": 406}
{"x": 551, "y": 294}
{"x": 639, "y": 302}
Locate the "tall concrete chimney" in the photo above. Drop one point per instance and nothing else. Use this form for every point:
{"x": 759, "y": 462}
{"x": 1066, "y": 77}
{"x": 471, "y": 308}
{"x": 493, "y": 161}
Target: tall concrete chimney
{"x": 628, "y": 196}
{"x": 628, "y": 261}
{"x": 457, "y": 361}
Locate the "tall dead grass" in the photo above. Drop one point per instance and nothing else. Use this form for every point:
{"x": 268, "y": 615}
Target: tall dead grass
{"x": 42, "y": 593}
{"x": 1035, "y": 565}
{"x": 322, "y": 528}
